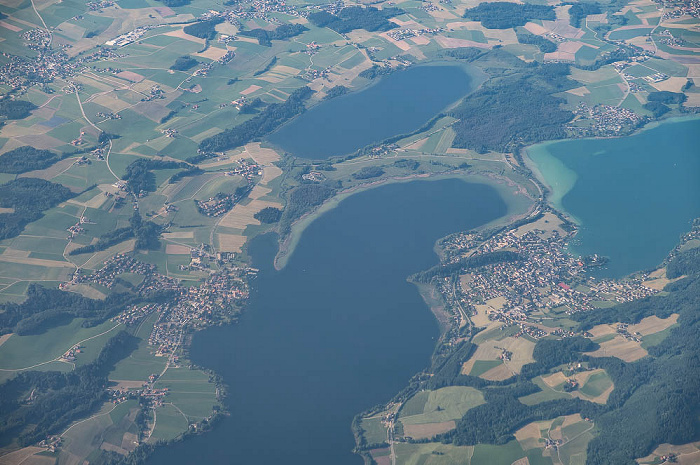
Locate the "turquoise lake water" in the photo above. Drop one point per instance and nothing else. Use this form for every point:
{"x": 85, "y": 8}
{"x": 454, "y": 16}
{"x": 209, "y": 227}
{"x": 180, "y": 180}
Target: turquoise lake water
{"x": 399, "y": 103}
{"x": 335, "y": 332}
{"x": 633, "y": 196}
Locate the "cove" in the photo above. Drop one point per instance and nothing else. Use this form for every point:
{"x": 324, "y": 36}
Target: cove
{"x": 336, "y": 331}
{"x": 397, "y": 104}
{"x": 632, "y": 196}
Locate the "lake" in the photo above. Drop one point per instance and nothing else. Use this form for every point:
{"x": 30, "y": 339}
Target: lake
{"x": 633, "y": 196}
{"x": 397, "y": 104}
{"x": 335, "y": 332}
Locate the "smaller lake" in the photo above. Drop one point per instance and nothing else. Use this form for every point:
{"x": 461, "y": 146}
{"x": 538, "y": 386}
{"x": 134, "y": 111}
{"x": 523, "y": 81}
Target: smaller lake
{"x": 398, "y": 104}
{"x": 633, "y": 196}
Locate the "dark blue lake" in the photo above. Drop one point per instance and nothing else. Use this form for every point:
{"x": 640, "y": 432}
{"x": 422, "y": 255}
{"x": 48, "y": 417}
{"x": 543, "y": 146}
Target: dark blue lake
{"x": 633, "y": 196}
{"x": 337, "y": 331}
{"x": 397, "y": 104}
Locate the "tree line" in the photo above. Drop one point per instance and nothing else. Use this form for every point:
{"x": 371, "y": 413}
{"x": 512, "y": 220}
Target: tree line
{"x": 29, "y": 197}
{"x": 282, "y": 32}
{"x": 356, "y": 17}
{"x": 269, "y": 119}
{"x": 505, "y": 15}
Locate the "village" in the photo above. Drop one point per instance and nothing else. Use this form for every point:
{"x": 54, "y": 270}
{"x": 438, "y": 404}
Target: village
{"x": 546, "y": 282}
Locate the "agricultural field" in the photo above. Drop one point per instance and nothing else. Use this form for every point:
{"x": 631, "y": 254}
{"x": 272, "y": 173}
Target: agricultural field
{"x": 127, "y": 121}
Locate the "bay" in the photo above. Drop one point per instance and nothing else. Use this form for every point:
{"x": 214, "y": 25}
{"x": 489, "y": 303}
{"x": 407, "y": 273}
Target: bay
{"x": 633, "y": 196}
{"x": 336, "y": 331}
{"x": 397, "y": 104}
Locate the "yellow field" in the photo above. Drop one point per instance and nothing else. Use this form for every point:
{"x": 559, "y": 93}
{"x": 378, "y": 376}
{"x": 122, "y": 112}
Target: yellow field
{"x": 428, "y": 430}
{"x": 521, "y": 349}
{"x": 230, "y": 242}
{"x": 626, "y": 350}
{"x": 177, "y": 249}
{"x": 25, "y": 456}
{"x": 653, "y": 324}
{"x": 687, "y": 454}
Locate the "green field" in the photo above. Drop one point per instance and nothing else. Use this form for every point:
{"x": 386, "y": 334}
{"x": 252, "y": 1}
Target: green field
{"x": 449, "y": 403}
{"x": 434, "y": 454}
{"x": 23, "y": 352}
{"x": 374, "y": 432}
{"x": 482, "y": 366}
{"x": 141, "y": 363}
{"x": 596, "y": 384}
{"x": 544, "y": 395}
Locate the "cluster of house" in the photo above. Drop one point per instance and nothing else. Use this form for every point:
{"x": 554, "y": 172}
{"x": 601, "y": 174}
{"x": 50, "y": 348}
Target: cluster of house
{"x": 608, "y": 120}
{"x": 546, "y": 279}
{"x": 401, "y": 34}
{"x": 675, "y": 9}
{"x": 99, "y": 5}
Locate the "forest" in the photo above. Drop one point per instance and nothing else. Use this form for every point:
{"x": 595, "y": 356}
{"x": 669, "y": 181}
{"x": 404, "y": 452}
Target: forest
{"x": 26, "y": 158}
{"x": 356, "y": 17}
{"x": 580, "y": 10}
{"x": 260, "y": 125}
{"x": 545, "y": 45}
{"x": 184, "y": 63}
{"x": 45, "y": 308}
{"x": 300, "y": 200}
{"x": 505, "y": 15}
{"x": 15, "y": 109}
{"x": 28, "y": 197}
{"x": 282, "y": 32}
{"x": 368, "y": 172}
{"x": 521, "y": 110}
{"x": 268, "y": 215}
{"x": 203, "y": 29}
{"x": 667, "y": 97}
{"x": 335, "y": 91}
{"x": 139, "y": 176}
{"x": 57, "y": 398}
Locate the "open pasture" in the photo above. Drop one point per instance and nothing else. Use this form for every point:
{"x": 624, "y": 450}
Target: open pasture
{"x": 30, "y": 352}
{"x": 442, "y": 405}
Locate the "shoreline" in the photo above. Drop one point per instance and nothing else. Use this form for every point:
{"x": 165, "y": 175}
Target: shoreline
{"x": 475, "y": 74}
{"x": 556, "y": 193}
{"x": 288, "y": 244}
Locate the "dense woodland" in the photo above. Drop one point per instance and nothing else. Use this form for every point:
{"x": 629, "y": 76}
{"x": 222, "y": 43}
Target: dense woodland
{"x": 504, "y": 15}
{"x": 268, "y": 215}
{"x": 28, "y": 197}
{"x": 368, "y": 172}
{"x": 26, "y": 158}
{"x": 260, "y": 125}
{"x": 521, "y": 110}
{"x": 282, "y": 32}
{"x": 545, "y": 45}
{"x": 57, "y": 398}
{"x": 667, "y": 97}
{"x": 15, "y": 109}
{"x": 465, "y": 53}
{"x": 139, "y": 175}
{"x": 580, "y": 10}
{"x": 302, "y": 199}
{"x": 356, "y": 17}
{"x": 657, "y": 109}
{"x": 203, "y": 29}
{"x": 45, "y": 308}
{"x": 335, "y": 91}
{"x": 184, "y": 63}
